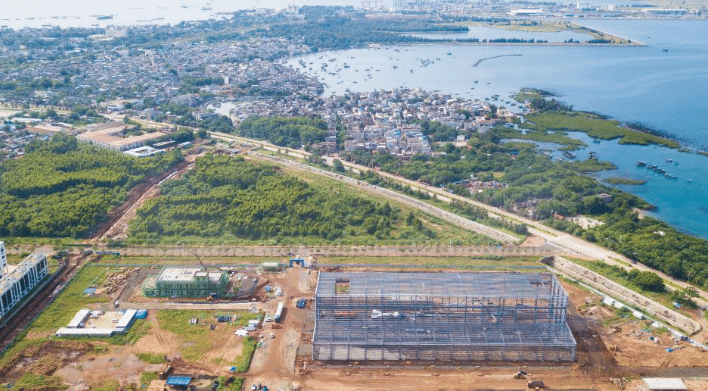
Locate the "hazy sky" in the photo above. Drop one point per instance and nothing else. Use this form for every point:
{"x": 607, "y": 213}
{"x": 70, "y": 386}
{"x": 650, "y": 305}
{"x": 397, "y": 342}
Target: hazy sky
{"x": 81, "y": 13}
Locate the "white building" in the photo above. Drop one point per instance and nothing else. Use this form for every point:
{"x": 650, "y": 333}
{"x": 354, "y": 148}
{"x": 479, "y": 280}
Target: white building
{"x": 109, "y": 136}
{"x": 20, "y": 280}
{"x": 3, "y": 260}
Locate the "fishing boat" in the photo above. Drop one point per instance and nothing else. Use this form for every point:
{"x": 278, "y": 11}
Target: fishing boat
{"x": 669, "y": 160}
{"x": 641, "y": 163}
{"x": 670, "y": 176}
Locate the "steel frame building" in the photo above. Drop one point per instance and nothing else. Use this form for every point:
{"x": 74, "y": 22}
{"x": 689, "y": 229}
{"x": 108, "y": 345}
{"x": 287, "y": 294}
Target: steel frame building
{"x": 441, "y": 316}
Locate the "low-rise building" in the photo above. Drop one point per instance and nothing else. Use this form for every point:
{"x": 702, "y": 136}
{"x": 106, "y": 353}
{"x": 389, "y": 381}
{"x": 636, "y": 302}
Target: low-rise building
{"x": 186, "y": 282}
{"x": 110, "y": 136}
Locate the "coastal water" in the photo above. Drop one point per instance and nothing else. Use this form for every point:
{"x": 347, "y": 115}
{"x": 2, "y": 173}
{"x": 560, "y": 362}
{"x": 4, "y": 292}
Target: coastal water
{"x": 661, "y": 85}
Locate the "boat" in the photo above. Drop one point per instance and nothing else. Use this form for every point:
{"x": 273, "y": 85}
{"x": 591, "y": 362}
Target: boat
{"x": 651, "y": 167}
{"x": 667, "y": 175}
{"x": 641, "y": 163}
{"x": 669, "y": 160}
{"x": 660, "y": 170}
{"x": 569, "y": 154}
{"x": 690, "y": 180}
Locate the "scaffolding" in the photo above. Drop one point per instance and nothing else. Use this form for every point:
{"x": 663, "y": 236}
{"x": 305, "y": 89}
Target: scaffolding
{"x": 441, "y": 316}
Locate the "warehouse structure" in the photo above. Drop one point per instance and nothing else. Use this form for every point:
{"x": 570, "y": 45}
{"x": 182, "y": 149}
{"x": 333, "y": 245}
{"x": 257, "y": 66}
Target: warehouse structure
{"x": 441, "y": 316}
{"x": 186, "y": 282}
{"x": 17, "y": 281}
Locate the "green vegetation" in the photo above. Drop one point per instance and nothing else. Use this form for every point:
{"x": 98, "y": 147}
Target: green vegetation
{"x": 139, "y": 329}
{"x": 229, "y": 200}
{"x": 540, "y": 136}
{"x": 195, "y": 337}
{"x": 655, "y": 244}
{"x": 594, "y": 125}
{"x": 590, "y": 165}
{"x": 71, "y": 300}
{"x": 624, "y": 181}
{"x": 243, "y": 361}
{"x": 289, "y": 132}
{"x": 146, "y": 378}
{"x": 109, "y": 385}
{"x": 32, "y": 382}
{"x": 151, "y": 358}
{"x": 231, "y": 384}
{"x": 61, "y": 189}
{"x": 528, "y": 94}
{"x": 539, "y": 187}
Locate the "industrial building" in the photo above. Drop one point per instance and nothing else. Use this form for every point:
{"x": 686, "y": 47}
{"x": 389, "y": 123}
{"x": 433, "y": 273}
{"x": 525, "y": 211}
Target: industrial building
{"x": 441, "y": 316}
{"x": 18, "y": 281}
{"x": 186, "y": 282}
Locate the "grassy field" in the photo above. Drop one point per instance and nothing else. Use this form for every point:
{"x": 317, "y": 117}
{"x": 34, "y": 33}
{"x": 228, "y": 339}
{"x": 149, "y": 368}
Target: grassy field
{"x": 196, "y": 337}
{"x": 594, "y": 126}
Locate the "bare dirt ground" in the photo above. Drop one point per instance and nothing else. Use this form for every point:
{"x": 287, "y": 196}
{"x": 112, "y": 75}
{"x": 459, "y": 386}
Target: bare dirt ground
{"x": 533, "y": 241}
{"x": 609, "y": 348}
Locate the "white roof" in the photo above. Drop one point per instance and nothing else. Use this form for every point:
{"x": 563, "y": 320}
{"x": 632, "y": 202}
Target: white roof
{"x": 125, "y": 320}
{"x": 664, "y": 383}
{"x": 78, "y": 318}
{"x": 67, "y": 332}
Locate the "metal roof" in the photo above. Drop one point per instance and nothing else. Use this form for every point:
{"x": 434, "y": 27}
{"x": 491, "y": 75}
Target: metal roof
{"x": 178, "y": 381}
{"x": 511, "y": 285}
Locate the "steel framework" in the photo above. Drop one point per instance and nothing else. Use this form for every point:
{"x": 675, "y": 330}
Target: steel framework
{"x": 441, "y": 316}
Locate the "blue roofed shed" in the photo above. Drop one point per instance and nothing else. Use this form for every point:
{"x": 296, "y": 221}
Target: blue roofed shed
{"x": 178, "y": 381}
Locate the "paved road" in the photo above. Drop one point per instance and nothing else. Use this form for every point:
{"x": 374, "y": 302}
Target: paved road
{"x": 404, "y": 199}
{"x": 560, "y": 240}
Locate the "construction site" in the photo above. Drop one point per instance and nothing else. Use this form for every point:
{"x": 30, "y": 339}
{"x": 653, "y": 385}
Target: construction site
{"x": 441, "y": 316}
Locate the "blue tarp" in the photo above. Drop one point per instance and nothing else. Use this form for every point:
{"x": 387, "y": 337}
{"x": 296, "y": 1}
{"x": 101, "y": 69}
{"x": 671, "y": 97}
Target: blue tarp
{"x": 90, "y": 291}
{"x": 141, "y": 314}
{"x": 178, "y": 381}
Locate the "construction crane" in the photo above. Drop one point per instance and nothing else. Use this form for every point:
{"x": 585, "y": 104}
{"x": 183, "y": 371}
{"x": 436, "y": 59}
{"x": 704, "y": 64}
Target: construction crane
{"x": 200, "y": 260}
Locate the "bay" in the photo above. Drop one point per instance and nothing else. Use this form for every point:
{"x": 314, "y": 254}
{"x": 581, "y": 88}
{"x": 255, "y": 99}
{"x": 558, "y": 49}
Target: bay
{"x": 662, "y": 85}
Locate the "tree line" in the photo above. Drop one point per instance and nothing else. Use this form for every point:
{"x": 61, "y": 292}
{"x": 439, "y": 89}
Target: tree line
{"x": 63, "y": 189}
{"x": 234, "y": 200}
